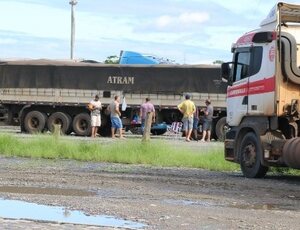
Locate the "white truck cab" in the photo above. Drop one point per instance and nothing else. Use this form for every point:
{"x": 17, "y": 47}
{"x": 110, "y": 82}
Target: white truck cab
{"x": 263, "y": 94}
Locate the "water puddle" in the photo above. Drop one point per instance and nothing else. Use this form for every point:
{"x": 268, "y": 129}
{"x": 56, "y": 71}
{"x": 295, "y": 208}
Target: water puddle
{"x": 46, "y": 191}
{"x": 262, "y": 206}
{"x": 15, "y": 209}
{"x": 189, "y": 202}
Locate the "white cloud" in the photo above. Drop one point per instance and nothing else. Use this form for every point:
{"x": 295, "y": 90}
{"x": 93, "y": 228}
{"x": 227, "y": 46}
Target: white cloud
{"x": 187, "y": 31}
{"x": 164, "y": 21}
{"x": 35, "y": 20}
{"x": 195, "y": 17}
{"x": 186, "y": 19}
{"x": 7, "y": 41}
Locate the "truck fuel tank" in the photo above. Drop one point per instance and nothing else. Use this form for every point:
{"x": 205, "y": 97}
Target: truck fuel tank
{"x": 291, "y": 153}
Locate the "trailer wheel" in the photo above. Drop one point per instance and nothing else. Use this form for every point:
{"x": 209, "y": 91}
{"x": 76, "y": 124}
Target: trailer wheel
{"x": 82, "y": 124}
{"x": 70, "y": 130}
{"x": 105, "y": 129}
{"x": 136, "y": 130}
{"x": 34, "y": 122}
{"x": 59, "y": 118}
{"x": 221, "y": 129}
{"x": 251, "y": 153}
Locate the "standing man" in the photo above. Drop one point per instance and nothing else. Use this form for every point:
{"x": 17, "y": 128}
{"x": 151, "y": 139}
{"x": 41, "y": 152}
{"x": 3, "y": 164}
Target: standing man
{"x": 146, "y": 107}
{"x": 116, "y": 123}
{"x": 195, "y": 124}
{"x": 208, "y": 115}
{"x": 95, "y": 108}
{"x": 187, "y": 108}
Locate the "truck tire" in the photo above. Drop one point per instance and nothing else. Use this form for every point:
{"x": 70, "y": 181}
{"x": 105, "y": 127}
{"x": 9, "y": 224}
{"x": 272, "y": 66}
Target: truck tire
{"x": 250, "y": 157}
{"x": 11, "y": 120}
{"x": 105, "y": 129}
{"x": 136, "y": 130}
{"x": 34, "y": 122}
{"x": 157, "y": 132}
{"x": 59, "y": 118}
{"x": 82, "y": 124}
{"x": 70, "y": 130}
{"x": 220, "y": 129}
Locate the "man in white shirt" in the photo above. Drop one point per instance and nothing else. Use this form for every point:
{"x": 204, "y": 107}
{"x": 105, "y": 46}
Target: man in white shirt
{"x": 95, "y": 108}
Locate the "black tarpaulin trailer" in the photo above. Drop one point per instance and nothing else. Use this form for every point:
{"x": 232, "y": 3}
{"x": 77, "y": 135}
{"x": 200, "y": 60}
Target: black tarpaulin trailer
{"x": 174, "y": 79}
{"x": 58, "y": 91}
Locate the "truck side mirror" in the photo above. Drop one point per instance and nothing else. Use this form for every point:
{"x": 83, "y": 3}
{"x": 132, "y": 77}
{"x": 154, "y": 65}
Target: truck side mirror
{"x": 226, "y": 72}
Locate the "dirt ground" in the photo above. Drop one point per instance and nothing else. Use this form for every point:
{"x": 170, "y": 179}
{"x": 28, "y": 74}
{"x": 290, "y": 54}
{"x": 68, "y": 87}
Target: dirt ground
{"x": 161, "y": 198}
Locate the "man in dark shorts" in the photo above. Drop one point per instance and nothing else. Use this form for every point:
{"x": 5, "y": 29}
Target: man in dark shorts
{"x": 196, "y": 123}
{"x": 208, "y": 116}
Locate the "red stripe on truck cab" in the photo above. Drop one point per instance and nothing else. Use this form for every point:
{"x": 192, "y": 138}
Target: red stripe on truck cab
{"x": 266, "y": 85}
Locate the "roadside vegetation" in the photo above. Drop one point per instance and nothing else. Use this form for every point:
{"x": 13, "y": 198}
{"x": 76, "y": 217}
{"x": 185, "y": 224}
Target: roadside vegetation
{"x": 155, "y": 153}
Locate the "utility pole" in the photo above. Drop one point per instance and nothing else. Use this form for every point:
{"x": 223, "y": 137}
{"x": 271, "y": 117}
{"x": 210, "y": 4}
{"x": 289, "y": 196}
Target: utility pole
{"x": 72, "y": 3}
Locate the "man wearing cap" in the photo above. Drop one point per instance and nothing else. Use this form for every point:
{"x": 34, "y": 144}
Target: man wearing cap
{"x": 95, "y": 108}
{"x": 187, "y": 108}
{"x": 208, "y": 116}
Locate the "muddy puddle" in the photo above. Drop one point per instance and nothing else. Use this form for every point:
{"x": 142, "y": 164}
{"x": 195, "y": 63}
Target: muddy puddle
{"x": 14, "y": 209}
{"x": 190, "y": 202}
{"x": 264, "y": 206}
{"x": 46, "y": 191}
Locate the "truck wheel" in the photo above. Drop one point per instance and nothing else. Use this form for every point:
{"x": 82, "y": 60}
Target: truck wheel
{"x": 105, "y": 129}
{"x": 10, "y": 119}
{"x": 136, "y": 130}
{"x": 35, "y": 122}
{"x": 82, "y": 124}
{"x": 59, "y": 118}
{"x": 221, "y": 129}
{"x": 251, "y": 154}
{"x": 70, "y": 130}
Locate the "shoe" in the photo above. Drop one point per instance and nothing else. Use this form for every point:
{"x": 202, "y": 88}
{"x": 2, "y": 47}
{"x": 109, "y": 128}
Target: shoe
{"x": 187, "y": 140}
{"x": 202, "y": 140}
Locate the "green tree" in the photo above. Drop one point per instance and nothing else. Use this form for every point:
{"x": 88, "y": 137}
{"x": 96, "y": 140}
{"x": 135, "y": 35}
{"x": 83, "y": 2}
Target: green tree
{"x": 113, "y": 59}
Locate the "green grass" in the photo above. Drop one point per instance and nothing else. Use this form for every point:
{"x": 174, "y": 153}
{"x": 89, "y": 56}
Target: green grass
{"x": 156, "y": 153}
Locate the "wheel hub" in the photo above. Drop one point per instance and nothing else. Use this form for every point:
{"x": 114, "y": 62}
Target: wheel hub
{"x": 250, "y": 155}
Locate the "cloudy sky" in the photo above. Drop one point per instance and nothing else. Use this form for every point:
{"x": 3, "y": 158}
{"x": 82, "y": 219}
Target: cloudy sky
{"x": 187, "y": 31}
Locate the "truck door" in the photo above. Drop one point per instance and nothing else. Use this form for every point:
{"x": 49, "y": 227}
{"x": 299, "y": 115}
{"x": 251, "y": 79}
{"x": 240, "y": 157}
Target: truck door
{"x": 237, "y": 94}
{"x": 249, "y": 85}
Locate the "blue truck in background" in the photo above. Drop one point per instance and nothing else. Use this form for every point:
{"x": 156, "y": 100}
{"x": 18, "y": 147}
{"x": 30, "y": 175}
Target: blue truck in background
{"x": 131, "y": 57}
